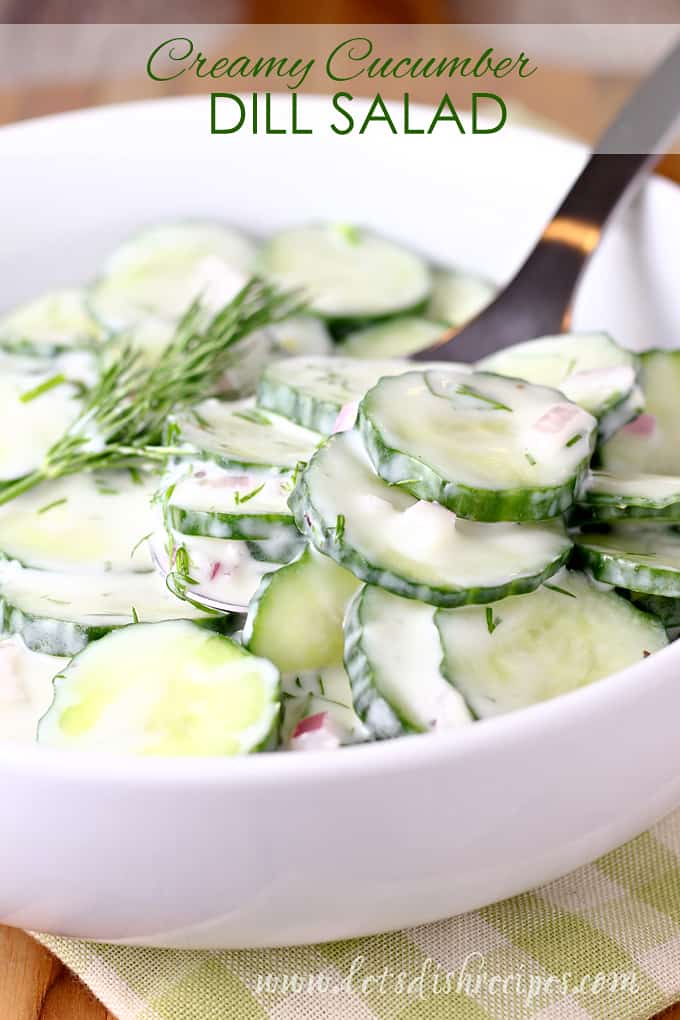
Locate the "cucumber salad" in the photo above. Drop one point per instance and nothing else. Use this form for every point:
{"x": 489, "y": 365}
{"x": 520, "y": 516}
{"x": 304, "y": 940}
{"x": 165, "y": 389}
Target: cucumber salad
{"x": 235, "y": 517}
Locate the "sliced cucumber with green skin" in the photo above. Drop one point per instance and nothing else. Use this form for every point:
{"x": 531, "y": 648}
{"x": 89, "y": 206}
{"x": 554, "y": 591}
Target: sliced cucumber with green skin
{"x": 643, "y": 556}
{"x": 313, "y": 391}
{"x": 56, "y": 321}
{"x": 650, "y": 443}
{"x": 666, "y": 609}
{"x": 395, "y": 338}
{"x": 393, "y": 659}
{"x": 606, "y": 496}
{"x": 60, "y": 613}
{"x": 164, "y": 689}
{"x": 630, "y": 408}
{"x": 159, "y": 272}
{"x": 205, "y": 500}
{"x": 589, "y": 368}
{"x": 419, "y": 550}
{"x": 487, "y": 447}
{"x": 77, "y": 366}
{"x": 237, "y": 435}
{"x": 457, "y": 296}
{"x": 527, "y": 649}
{"x": 319, "y": 704}
{"x": 88, "y": 523}
{"x": 346, "y": 272}
{"x": 31, "y": 420}
{"x": 295, "y": 617}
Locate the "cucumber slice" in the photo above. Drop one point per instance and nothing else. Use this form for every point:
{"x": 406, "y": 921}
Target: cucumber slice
{"x": 59, "y": 613}
{"x": 25, "y": 689}
{"x": 630, "y": 408}
{"x": 53, "y": 322}
{"x": 28, "y": 427}
{"x": 346, "y": 273}
{"x": 295, "y": 617}
{"x": 159, "y": 272}
{"x": 651, "y": 442}
{"x": 396, "y": 338}
{"x": 589, "y": 368}
{"x": 490, "y": 448}
{"x": 457, "y": 296}
{"x": 299, "y": 335}
{"x": 528, "y": 649}
{"x": 393, "y": 658}
{"x": 642, "y": 555}
{"x": 78, "y": 366}
{"x": 318, "y": 711}
{"x": 87, "y": 523}
{"x": 211, "y": 502}
{"x": 219, "y": 573}
{"x": 608, "y": 496}
{"x": 666, "y": 609}
{"x": 163, "y": 689}
{"x": 419, "y": 550}
{"x": 313, "y": 391}
{"x": 237, "y": 435}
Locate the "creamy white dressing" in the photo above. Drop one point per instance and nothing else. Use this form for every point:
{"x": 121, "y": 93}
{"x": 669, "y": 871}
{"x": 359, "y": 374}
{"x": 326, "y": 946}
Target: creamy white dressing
{"x": 238, "y": 434}
{"x": 26, "y": 689}
{"x": 651, "y": 543}
{"x": 30, "y": 427}
{"x": 335, "y": 381}
{"x": 93, "y": 600}
{"x": 206, "y": 487}
{"x": 650, "y": 489}
{"x": 324, "y": 691}
{"x": 224, "y": 569}
{"x": 589, "y": 368}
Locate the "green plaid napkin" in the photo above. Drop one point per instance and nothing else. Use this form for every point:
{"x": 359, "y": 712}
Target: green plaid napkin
{"x": 603, "y": 942}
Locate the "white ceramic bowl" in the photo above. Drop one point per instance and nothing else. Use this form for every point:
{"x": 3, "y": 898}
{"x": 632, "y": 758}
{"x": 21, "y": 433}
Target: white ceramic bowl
{"x": 286, "y": 848}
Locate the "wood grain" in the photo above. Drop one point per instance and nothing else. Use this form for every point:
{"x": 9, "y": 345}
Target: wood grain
{"x": 34, "y": 985}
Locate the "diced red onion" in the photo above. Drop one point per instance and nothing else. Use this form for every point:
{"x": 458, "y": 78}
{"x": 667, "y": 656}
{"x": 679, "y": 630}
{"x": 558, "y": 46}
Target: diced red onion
{"x": 347, "y": 417}
{"x": 644, "y": 425}
{"x": 556, "y": 419}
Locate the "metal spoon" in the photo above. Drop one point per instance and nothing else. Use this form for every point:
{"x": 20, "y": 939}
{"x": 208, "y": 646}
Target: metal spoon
{"x": 537, "y": 301}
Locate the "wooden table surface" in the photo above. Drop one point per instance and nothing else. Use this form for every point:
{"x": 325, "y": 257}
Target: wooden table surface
{"x": 34, "y": 985}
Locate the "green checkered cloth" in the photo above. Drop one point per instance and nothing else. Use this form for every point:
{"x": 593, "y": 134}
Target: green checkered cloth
{"x": 603, "y": 942}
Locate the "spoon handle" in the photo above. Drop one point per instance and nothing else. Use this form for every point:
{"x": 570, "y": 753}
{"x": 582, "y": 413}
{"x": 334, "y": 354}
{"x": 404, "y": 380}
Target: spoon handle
{"x": 537, "y": 301}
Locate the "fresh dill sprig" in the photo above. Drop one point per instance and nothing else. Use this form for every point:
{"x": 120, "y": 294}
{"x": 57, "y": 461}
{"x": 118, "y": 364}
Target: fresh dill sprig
{"x": 124, "y": 414}
{"x": 491, "y": 621}
{"x": 239, "y": 499}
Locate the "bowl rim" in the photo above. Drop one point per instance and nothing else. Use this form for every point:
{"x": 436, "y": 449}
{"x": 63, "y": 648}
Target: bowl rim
{"x": 390, "y": 756}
